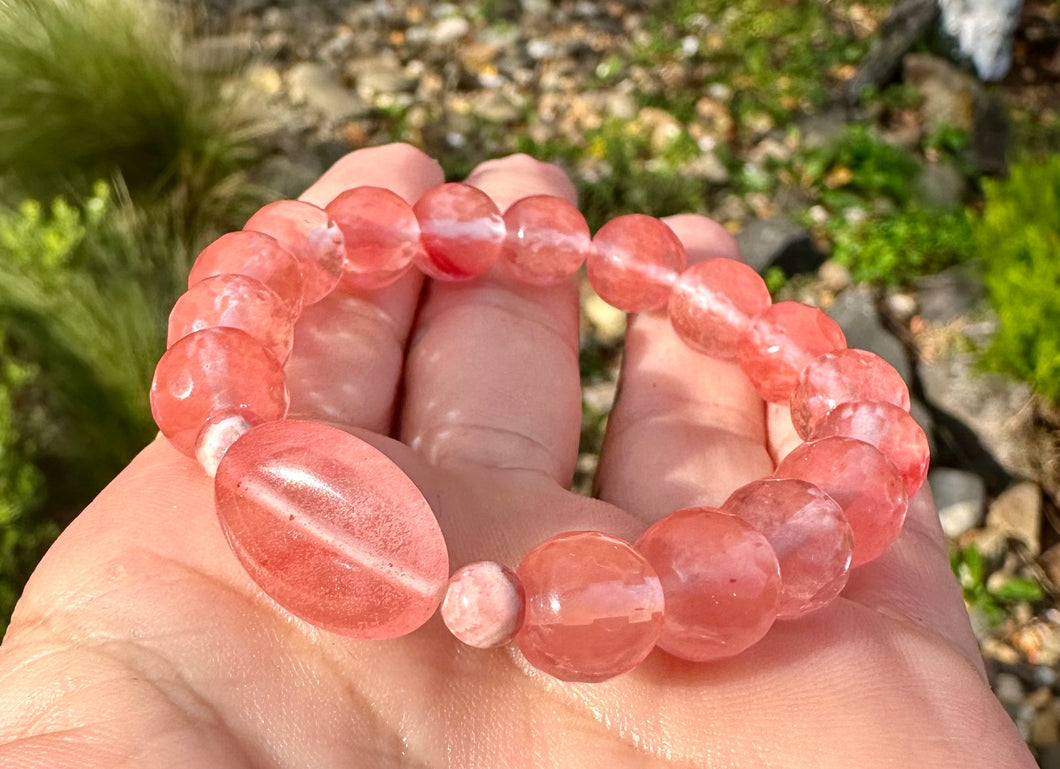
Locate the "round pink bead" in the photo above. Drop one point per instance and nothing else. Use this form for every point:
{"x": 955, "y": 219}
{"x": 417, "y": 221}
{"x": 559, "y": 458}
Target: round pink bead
{"x": 809, "y": 533}
{"x": 234, "y": 301}
{"x": 331, "y": 529}
{"x": 381, "y": 234}
{"x": 721, "y": 580}
{"x": 547, "y": 240}
{"x": 216, "y": 438}
{"x": 862, "y": 482}
{"x": 307, "y": 232}
{"x": 594, "y": 607}
{"x": 840, "y": 377}
{"x": 634, "y": 262}
{"x": 887, "y": 427}
{"x": 213, "y": 374}
{"x": 712, "y": 305}
{"x": 779, "y": 344}
{"x": 462, "y": 232}
{"x": 257, "y": 256}
{"x": 483, "y": 605}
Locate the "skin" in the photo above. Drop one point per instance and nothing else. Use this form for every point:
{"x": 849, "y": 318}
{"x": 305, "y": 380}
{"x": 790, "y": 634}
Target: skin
{"x": 140, "y": 641}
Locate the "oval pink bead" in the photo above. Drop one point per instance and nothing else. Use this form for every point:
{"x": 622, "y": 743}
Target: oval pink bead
{"x": 809, "y": 534}
{"x": 634, "y": 262}
{"x": 547, "y": 240}
{"x": 862, "y": 482}
{"x": 307, "y": 232}
{"x": 234, "y": 301}
{"x": 381, "y": 235}
{"x": 594, "y": 607}
{"x": 712, "y": 305}
{"x": 331, "y": 529}
{"x": 840, "y": 377}
{"x": 213, "y": 374}
{"x": 890, "y": 429}
{"x": 779, "y": 344}
{"x": 721, "y": 580}
{"x": 462, "y": 232}
{"x": 483, "y": 605}
{"x": 257, "y": 256}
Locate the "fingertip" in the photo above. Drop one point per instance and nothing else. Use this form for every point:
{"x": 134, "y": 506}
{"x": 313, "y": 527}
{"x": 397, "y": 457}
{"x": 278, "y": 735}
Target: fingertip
{"x": 401, "y": 168}
{"x": 511, "y": 178}
{"x": 703, "y": 238}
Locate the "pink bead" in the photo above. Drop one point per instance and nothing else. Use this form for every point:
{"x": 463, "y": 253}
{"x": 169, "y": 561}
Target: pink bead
{"x": 594, "y": 607}
{"x": 307, "y": 232}
{"x": 216, "y": 438}
{"x": 381, "y": 234}
{"x": 331, "y": 529}
{"x": 483, "y": 604}
{"x": 634, "y": 262}
{"x": 234, "y": 301}
{"x": 213, "y": 374}
{"x": 780, "y": 343}
{"x": 809, "y": 533}
{"x": 257, "y": 256}
{"x": 864, "y": 484}
{"x": 461, "y": 230}
{"x": 888, "y": 428}
{"x": 839, "y": 377}
{"x": 712, "y": 305}
{"x": 721, "y": 580}
{"x": 547, "y": 240}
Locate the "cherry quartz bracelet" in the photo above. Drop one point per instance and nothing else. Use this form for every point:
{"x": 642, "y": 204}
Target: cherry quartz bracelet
{"x": 337, "y": 534}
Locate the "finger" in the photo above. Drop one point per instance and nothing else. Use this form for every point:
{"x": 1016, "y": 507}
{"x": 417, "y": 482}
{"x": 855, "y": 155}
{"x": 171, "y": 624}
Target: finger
{"x": 686, "y": 429}
{"x": 492, "y": 371}
{"x": 349, "y": 348}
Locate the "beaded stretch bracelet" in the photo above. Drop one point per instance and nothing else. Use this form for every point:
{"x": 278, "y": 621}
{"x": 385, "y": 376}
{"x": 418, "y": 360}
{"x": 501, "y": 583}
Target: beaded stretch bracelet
{"x": 337, "y": 534}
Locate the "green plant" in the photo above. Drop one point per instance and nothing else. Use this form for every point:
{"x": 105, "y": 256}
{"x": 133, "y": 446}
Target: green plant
{"x": 1018, "y": 239}
{"x": 969, "y": 568}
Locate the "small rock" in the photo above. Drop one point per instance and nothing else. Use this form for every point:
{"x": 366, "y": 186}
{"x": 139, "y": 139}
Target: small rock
{"x": 714, "y": 118}
{"x": 984, "y": 31}
{"x": 266, "y": 79}
{"x": 322, "y": 90}
{"x": 834, "y": 276}
{"x": 949, "y": 295}
{"x": 1017, "y": 513}
{"x": 380, "y": 74}
{"x": 608, "y": 322}
{"x": 855, "y": 312}
{"x": 1009, "y": 690}
{"x": 708, "y": 167}
{"x": 960, "y": 497}
{"x": 941, "y": 185}
{"x": 599, "y": 397}
{"x": 662, "y": 127}
{"x": 449, "y": 30}
{"x": 779, "y": 242}
{"x": 900, "y": 305}
{"x": 949, "y": 95}
{"x": 496, "y": 107}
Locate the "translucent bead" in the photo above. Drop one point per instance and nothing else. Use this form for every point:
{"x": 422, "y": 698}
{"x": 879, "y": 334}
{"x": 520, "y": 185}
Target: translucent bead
{"x": 809, "y": 533}
{"x": 331, "y": 529}
{"x": 307, "y": 232}
{"x": 862, "y": 482}
{"x": 594, "y": 607}
{"x": 634, "y": 262}
{"x": 839, "y": 377}
{"x": 483, "y": 605}
{"x": 890, "y": 429}
{"x": 547, "y": 240}
{"x": 721, "y": 580}
{"x": 712, "y": 305}
{"x": 780, "y": 343}
{"x": 234, "y": 301}
{"x": 214, "y": 374}
{"x": 461, "y": 230}
{"x": 257, "y": 256}
{"x": 216, "y": 438}
{"x": 381, "y": 234}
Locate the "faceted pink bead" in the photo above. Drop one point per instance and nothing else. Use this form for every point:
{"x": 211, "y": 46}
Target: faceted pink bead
{"x": 381, "y": 234}
{"x": 234, "y": 301}
{"x": 713, "y": 303}
{"x": 780, "y": 343}
{"x": 547, "y": 241}
{"x": 888, "y": 428}
{"x": 809, "y": 533}
{"x": 634, "y": 262}
{"x": 257, "y": 256}
{"x": 461, "y": 230}
{"x": 721, "y": 580}
{"x": 483, "y": 604}
{"x": 839, "y": 377}
{"x": 213, "y": 374}
{"x": 862, "y": 481}
{"x": 307, "y": 232}
{"x": 331, "y": 529}
{"x": 594, "y": 607}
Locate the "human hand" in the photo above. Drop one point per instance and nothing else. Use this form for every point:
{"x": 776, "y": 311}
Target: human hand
{"x": 140, "y": 641}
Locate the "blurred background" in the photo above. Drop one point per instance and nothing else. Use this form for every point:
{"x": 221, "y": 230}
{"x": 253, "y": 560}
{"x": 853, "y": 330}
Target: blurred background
{"x": 897, "y": 164}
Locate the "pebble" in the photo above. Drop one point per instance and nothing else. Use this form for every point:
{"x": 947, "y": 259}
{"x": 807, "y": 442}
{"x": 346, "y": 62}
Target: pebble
{"x": 960, "y": 497}
{"x": 322, "y": 90}
{"x": 1017, "y": 513}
